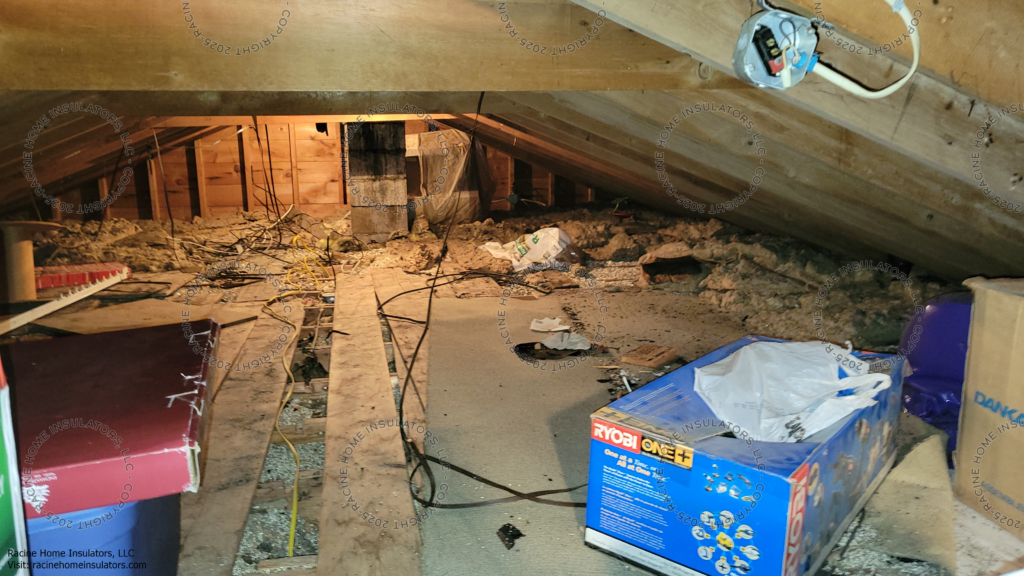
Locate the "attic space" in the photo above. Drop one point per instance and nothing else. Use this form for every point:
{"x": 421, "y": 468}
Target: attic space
{"x": 475, "y": 288}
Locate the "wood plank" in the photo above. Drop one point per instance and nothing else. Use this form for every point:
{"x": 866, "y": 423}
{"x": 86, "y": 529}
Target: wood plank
{"x": 312, "y": 431}
{"x": 9, "y": 323}
{"x": 243, "y": 417}
{"x": 319, "y": 193}
{"x": 319, "y": 182}
{"x": 543, "y": 185}
{"x": 293, "y": 159}
{"x": 140, "y": 314}
{"x": 407, "y": 45}
{"x": 221, "y": 173}
{"x": 104, "y": 190}
{"x": 174, "y": 279}
{"x": 274, "y": 149}
{"x": 229, "y": 349}
{"x": 309, "y": 150}
{"x": 287, "y": 565}
{"x": 374, "y": 469}
{"x": 220, "y": 196}
{"x": 154, "y": 188}
{"x": 200, "y": 168}
{"x": 249, "y": 161}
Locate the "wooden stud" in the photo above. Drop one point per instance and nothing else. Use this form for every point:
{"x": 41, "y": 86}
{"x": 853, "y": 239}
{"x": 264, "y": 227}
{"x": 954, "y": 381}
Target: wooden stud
{"x": 204, "y": 209}
{"x": 294, "y": 158}
{"x": 104, "y": 190}
{"x": 154, "y": 187}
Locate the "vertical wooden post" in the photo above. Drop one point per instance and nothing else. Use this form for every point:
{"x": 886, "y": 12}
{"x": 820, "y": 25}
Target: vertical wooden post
{"x": 584, "y": 193}
{"x": 154, "y": 187}
{"x": 294, "y": 157}
{"x": 204, "y": 208}
{"x": 104, "y": 190}
{"x": 338, "y": 127}
{"x": 244, "y": 161}
{"x": 542, "y": 184}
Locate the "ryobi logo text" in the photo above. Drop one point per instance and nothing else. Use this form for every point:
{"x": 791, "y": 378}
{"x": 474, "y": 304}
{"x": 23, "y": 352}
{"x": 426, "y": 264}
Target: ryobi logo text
{"x": 616, "y": 436}
{"x": 674, "y": 453}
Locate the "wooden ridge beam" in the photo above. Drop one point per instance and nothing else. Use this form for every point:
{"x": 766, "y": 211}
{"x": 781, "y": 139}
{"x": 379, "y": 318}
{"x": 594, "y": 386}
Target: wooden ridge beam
{"x": 343, "y": 46}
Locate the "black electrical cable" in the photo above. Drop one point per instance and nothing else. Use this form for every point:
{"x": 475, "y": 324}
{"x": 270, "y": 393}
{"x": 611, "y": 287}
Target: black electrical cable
{"x": 531, "y": 496}
{"x": 423, "y": 460}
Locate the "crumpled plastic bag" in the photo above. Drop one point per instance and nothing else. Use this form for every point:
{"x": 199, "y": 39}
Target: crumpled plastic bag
{"x": 540, "y": 249}
{"x": 784, "y": 391}
{"x": 548, "y": 325}
{"x": 566, "y": 341}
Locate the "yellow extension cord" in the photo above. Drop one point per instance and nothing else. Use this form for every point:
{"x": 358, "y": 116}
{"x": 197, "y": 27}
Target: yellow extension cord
{"x": 277, "y": 421}
{"x": 291, "y": 381}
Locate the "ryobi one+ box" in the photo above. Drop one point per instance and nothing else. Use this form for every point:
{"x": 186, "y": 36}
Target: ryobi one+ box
{"x": 680, "y": 492}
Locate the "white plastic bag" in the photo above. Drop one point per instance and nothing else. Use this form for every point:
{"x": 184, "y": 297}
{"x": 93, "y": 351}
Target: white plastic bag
{"x": 537, "y": 249}
{"x": 783, "y": 391}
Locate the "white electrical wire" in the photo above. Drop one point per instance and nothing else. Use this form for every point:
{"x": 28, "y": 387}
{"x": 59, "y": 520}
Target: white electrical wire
{"x": 852, "y": 86}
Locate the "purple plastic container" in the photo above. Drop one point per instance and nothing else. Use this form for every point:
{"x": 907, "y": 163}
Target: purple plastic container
{"x": 933, "y": 391}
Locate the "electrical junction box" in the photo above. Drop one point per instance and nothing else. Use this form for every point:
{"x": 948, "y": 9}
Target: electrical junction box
{"x": 771, "y": 42}
{"x": 671, "y": 491}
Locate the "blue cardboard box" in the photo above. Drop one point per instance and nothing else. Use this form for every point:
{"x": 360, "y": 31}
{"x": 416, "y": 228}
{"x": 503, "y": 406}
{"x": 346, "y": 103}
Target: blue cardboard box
{"x": 677, "y": 491}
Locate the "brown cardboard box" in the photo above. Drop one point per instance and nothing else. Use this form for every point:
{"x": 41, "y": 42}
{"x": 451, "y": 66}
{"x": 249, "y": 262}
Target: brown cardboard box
{"x": 989, "y": 467}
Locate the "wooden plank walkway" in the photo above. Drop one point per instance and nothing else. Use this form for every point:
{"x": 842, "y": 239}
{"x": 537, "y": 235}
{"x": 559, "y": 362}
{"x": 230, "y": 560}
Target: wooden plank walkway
{"x": 243, "y": 418}
{"x": 365, "y": 482}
